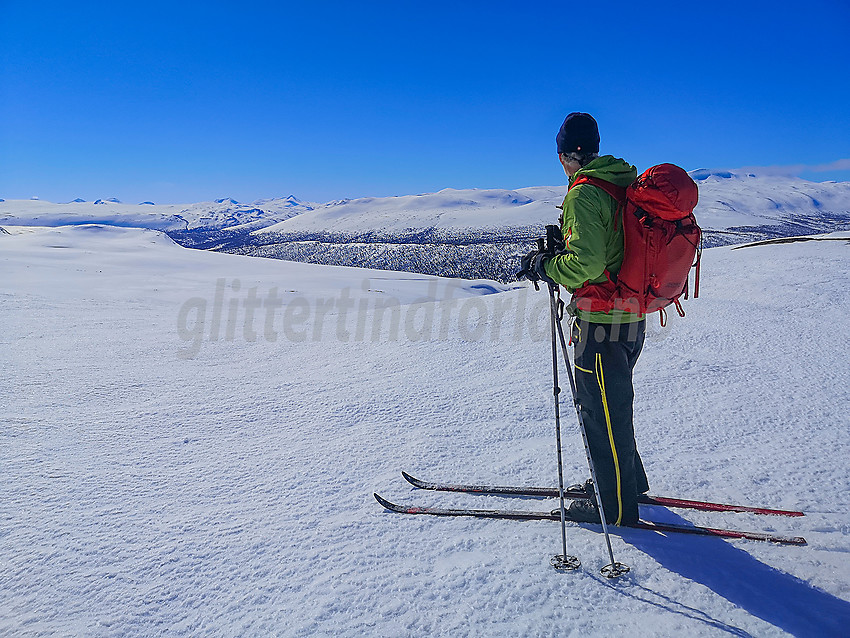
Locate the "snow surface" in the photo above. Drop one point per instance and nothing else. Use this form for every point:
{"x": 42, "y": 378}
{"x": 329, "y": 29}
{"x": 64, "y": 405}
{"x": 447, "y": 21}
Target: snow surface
{"x": 727, "y": 200}
{"x": 158, "y": 481}
{"x": 222, "y": 213}
{"x": 739, "y": 200}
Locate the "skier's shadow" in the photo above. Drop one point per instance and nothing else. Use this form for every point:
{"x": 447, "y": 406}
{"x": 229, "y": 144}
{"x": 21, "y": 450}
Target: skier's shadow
{"x": 778, "y": 598}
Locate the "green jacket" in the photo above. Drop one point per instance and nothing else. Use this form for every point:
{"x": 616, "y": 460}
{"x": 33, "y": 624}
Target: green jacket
{"x": 594, "y": 240}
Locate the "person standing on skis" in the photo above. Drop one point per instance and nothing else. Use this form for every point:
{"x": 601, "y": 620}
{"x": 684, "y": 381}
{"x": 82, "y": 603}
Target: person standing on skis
{"x": 607, "y": 344}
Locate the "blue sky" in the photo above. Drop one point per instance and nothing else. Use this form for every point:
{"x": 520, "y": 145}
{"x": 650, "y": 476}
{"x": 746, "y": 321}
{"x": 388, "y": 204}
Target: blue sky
{"x": 184, "y": 101}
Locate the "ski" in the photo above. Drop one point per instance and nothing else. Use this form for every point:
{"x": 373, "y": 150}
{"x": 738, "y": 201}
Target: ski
{"x": 552, "y": 492}
{"x": 522, "y": 515}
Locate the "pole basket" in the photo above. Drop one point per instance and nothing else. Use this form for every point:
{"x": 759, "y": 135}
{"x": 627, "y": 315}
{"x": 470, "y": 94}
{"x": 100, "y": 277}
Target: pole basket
{"x": 566, "y": 563}
{"x": 614, "y": 570}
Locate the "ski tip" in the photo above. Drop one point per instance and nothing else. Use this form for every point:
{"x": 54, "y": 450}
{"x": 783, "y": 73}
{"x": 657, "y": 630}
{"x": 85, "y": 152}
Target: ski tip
{"x": 383, "y": 501}
{"x": 410, "y": 479}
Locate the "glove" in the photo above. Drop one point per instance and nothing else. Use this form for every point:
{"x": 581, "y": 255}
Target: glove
{"x": 555, "y": 244}
{"x": 539, "y": 269}
{"x": 527, "y": 267}
{"x": 532, "y": 265}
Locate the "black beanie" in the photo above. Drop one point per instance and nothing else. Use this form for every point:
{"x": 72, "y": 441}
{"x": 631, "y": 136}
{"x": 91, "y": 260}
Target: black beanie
{"x": 578, "y": 134}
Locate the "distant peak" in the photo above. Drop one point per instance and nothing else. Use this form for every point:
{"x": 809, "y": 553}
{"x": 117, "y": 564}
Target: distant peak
{"x": 226, "y": 200}
{"x": 723, "y": 173}
{"x": 147, "y": 204}
{"x": 705, "y": 173}
{"x": 292, "y": 200}
{"x": 110, "y": 200}
{"x": 78, "y": 200}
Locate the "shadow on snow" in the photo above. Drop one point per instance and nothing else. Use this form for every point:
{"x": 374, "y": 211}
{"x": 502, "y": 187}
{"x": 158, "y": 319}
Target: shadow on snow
{"x": 778, "y": 598}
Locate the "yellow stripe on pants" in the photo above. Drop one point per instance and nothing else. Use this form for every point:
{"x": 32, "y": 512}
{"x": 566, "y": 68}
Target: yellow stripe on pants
{"x": 600, "y": 378}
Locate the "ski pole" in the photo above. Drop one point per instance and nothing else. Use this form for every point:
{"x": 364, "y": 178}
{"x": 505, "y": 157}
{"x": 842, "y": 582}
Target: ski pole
{"x": 613, "y": 569}
{"x": 561, "y": 561}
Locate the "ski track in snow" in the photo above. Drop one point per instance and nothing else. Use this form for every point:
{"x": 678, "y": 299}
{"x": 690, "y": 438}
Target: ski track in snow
{"x": 146, "y": 493}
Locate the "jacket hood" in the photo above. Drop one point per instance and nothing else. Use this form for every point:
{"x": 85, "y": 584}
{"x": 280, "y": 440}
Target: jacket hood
{"x": 611, "y": 169}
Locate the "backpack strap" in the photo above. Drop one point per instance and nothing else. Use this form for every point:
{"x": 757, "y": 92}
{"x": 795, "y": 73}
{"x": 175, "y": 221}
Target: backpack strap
{"x": 699, "y": 259}
{"x": 696, "y": 265}
{"x": 599, "y": 297}
{"x": 618, "y": 193}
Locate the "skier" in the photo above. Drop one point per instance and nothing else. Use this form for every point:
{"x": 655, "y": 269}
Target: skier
{"x": 607, "y": 345}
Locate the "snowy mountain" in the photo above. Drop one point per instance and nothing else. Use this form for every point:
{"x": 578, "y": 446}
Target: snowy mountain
{"x": 483, "y": 233}
{"x": 189, "y": 442}
{"x": 733, "y": 203}
{"x": 447, "y": 209}
{"x": 224, "y": 213}
{"x": 459, "y": 233}
{"x": 728, "y": 202}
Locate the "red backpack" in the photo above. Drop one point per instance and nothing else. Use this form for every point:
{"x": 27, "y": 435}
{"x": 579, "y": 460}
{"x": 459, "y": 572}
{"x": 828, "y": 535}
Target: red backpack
{"x": 662, "y": 239}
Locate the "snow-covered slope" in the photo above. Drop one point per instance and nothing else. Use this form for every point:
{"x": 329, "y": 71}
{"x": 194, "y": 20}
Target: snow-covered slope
{"x": 177, "y": 460}
{"x": 449, "y": 209}
{"x": 217, "y": 215}
{"x": 455, "y": 233}
{"x": 483, "y": 233}
{"x": 728, "y": 200}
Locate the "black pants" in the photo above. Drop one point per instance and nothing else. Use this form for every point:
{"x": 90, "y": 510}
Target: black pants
{"x": 605, "y": 356}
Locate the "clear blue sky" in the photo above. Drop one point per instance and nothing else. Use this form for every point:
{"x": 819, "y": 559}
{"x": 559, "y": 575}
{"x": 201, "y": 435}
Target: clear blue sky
{"x": 190, "y": 101}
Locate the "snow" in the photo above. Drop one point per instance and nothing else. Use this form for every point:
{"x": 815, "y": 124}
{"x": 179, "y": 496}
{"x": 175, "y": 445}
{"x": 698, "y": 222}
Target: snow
{"x": 728, "y": 200}
{"x": 739, "y": 200}
{"x": 447, "y": 209}
{"x": 223, "y": 213}
{"x": 158, "y": 481}
{"x": 745, "y": 199}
